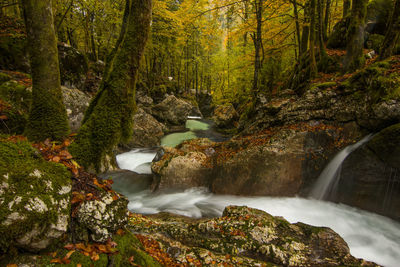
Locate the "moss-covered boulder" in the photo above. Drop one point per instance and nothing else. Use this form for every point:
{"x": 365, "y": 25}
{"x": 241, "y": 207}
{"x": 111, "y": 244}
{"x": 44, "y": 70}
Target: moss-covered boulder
{"x": 34, "y": 198}
{"x": 103, "y": 216}
{"x": 247, "y": 237}
{"x": 337, "y": 39}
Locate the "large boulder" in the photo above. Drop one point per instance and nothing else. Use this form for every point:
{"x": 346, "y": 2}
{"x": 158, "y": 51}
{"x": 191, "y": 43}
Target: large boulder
{"x": 247, "y": 237}
{"x": 370, "y": 176}
{"x": 34, "y": 198}
{"x": 225, "y": 116}
{"x": 285, "y": 163}
{"x": 174, "y": 111}
{"x": 76, "y": 103}
{"x": 103, "y": 216}
{"x": 73, "y": 66}
{"x": 147, "y": 131}
{"x": 182, "y": 168}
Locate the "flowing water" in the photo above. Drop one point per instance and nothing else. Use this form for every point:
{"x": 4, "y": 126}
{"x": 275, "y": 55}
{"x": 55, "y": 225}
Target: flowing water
{"x": 329, "y": 177}
{"x": 369, "y": 236}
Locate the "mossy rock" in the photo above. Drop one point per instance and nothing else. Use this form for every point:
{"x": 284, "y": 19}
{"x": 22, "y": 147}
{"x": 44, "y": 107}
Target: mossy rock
{"x": 34, "y": 198}
{"x": 338, "y": 39}
{"x": 17, "y": 99}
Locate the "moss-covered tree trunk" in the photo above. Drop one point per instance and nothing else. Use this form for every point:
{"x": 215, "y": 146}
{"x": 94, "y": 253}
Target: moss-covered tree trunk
{"x": 110, "y": 121}
{"x": 47, "y": 117}
{"x": 355, "y": 36}
{"x": 392, "y": 33}
{"x": 346, "y": 7}
{"x": 313, "y": 62}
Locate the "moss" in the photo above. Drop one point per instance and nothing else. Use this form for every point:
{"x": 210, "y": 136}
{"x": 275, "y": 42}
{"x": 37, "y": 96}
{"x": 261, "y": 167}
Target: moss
{"x": 128, "y": 246}
{"x": 19, "y": 99}
{"x": 4, "y": 78}
{"x": 375, "y": 41}
{"x": 48, "y": 116}
{"x": 26, "y": 174}
{"x": 324, "y": 85}
{"x": 109, "y": 117}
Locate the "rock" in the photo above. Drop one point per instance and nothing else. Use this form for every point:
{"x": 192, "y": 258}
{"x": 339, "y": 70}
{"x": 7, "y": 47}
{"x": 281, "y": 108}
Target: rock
{"x": 284, "y": 164}
{"x": 103, "y": 217}
{"x": 34, "y": 198}
{"x": 225, "y": 116}
{"x": 337, "y": 39}
{"x": 205, "y": 104}
{"x": 76, "y": 103}
{"x": 180, "y": 171}
{"x": 370, "y": 176}
{"x": 73, "y": 66}
{"x": 247, "y": 237}
{"x": 147, "y": 131}
{"x": 173, "y": 111}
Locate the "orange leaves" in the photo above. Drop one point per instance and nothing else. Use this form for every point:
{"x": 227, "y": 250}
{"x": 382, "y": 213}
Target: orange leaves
{"x": 64, "y": 260}
{"x": 90, "y": 250}
{"x": 58, "y": 152}
{"x": 12, "y": 265}
{"x": 153, "y": 248}
{"x": 16, "y": 138}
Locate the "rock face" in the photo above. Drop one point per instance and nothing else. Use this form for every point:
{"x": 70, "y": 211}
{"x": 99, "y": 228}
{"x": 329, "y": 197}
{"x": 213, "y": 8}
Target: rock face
{"x": 174, "y": 111}
{"x": 73, "y": 66}
{"x": 76, "y": 103}
{"x": 370, "y": 176}
{"x": 224, "y": 116}
{"x": 368, "y": 98}
{"x": 103, "y": 217}
{"x": 247, "y": 237}
{"x": 147, "y": 131}
{"x": 34, "y": 198}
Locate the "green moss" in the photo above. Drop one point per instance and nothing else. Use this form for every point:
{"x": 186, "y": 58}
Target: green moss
{"x": 128, "y": 246}
{"x": 324, "y": 85}
{"x": 26, "y": 174}
{"x": 4, "y": 78}
{"x": 19, "y": 100}
{"x": 375, "y": 41}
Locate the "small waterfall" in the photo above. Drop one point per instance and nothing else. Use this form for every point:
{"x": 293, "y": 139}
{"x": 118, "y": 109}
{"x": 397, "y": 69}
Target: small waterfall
{"x": 330, "y": 176}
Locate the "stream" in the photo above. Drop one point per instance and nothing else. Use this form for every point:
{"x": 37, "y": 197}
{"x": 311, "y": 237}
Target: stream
{"x": 369, "y": 236}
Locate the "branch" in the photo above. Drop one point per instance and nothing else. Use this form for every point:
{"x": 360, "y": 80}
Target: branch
{"x": 65, "y": 14}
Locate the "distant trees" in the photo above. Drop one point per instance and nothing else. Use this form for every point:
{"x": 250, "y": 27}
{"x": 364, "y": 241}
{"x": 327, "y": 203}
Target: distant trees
{"x": 47, "y": 117}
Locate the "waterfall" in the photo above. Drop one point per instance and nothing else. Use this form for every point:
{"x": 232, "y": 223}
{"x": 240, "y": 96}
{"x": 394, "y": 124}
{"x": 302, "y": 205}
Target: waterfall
{"x": 330, "y": 176}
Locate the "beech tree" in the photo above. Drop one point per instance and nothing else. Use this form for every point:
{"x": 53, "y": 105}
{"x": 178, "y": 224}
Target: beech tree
{"x": 109, "y": 120}
{"x": 47, "y": 117}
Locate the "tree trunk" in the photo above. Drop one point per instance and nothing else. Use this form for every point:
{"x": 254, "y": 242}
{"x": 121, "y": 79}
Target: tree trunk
{"x": 355, "y": 36}
{"x": 392, "y": 33}
{"x": 296, "y": 17}
{"x": 313, "y": 63}
{"x": 327, "y": 15}
{"x": 346, "y": 7}
{"x": 257, "y": 39}
{"x": 306, "y": 29}
{"x": 110, "y": 122}
{"x": 47, "y": 117}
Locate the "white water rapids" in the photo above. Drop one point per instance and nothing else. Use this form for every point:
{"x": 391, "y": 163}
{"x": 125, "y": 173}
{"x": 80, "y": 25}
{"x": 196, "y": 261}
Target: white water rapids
{"x": 369, "y": 236}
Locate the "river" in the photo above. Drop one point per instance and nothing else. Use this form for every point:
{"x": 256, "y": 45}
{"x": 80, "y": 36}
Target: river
{"x": 369, "y": 236}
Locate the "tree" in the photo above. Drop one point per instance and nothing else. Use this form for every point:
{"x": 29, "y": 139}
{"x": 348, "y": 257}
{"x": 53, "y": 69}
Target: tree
{"x": 355, "y": 36}
{"x": 257, "y": 40}
{"x": 110, "y": 119}
{"x": 392, "y": 33}
{"x": 47, "y": 117}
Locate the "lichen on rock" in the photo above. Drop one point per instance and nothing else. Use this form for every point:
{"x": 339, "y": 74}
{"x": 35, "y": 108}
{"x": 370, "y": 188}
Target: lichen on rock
{"x": 34, "y": 196}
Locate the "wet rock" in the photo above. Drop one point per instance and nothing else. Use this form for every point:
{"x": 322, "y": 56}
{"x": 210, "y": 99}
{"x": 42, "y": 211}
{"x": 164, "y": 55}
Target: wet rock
{"x": 174, "y": 111}
{"x": 180, "y": 170}
{"x": 103, "y": 217}
{"x": 247, "y": 237}
{"x": 34, "y": 199}
{"x": 225, "y": 116}
{"x": 147, "y": 131}
{"x": 370, "y": 176}
{"x": 76, "y": 103}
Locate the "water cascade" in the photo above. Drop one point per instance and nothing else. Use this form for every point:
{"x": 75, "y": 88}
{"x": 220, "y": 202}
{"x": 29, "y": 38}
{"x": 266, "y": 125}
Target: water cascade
{"x": 330, "y": 176}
